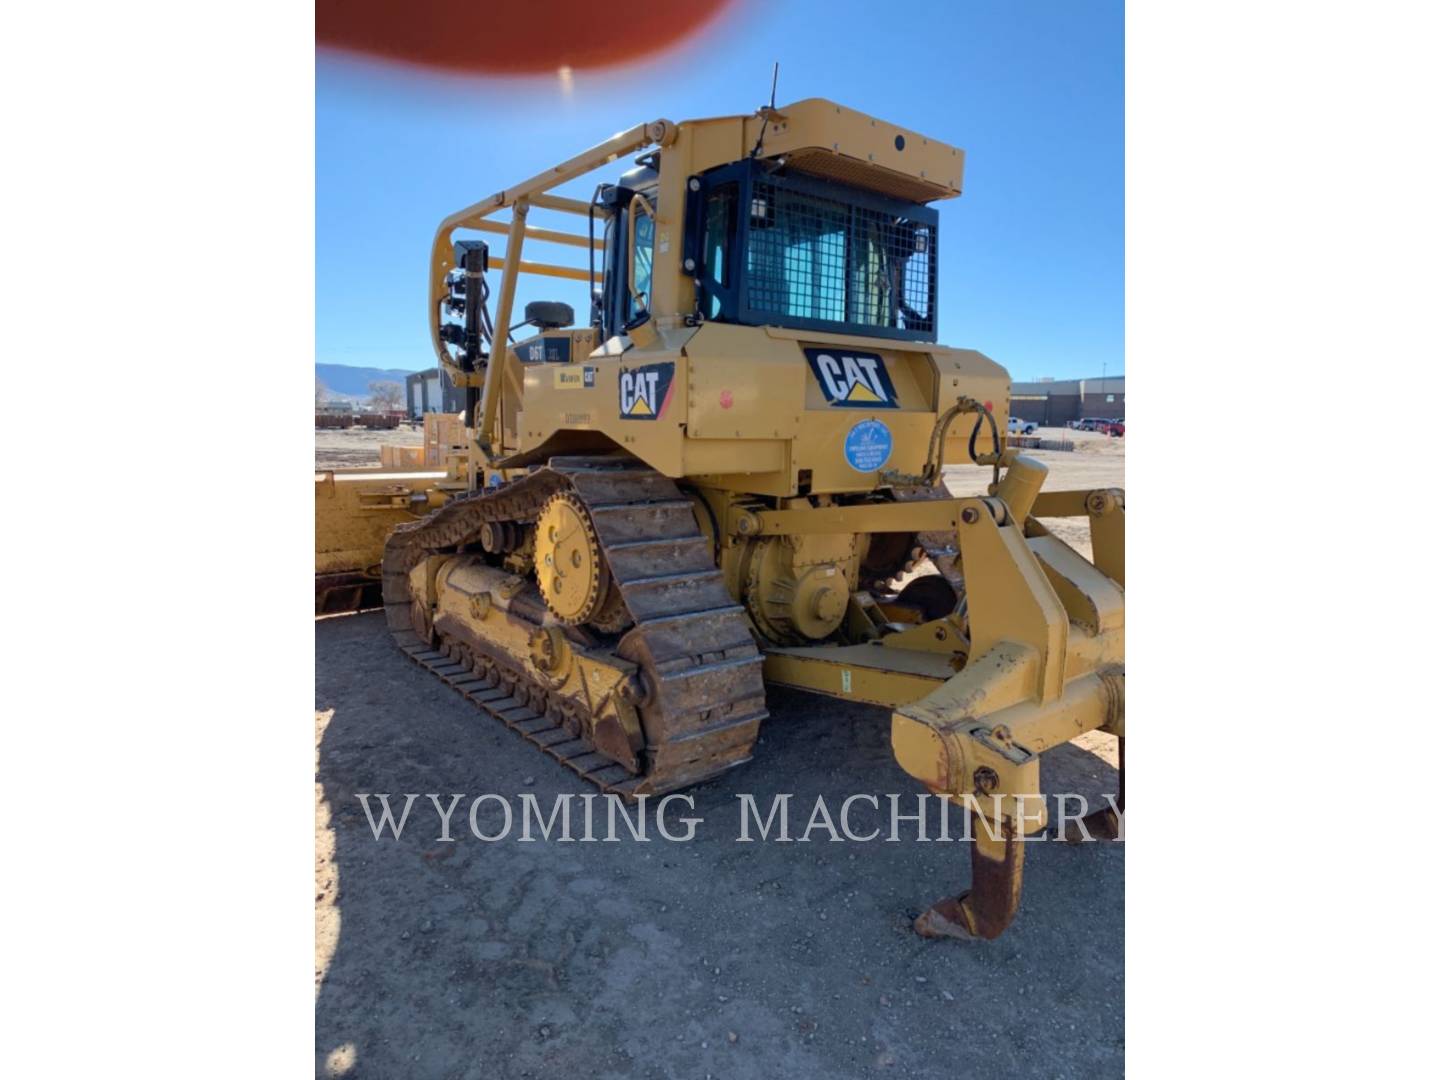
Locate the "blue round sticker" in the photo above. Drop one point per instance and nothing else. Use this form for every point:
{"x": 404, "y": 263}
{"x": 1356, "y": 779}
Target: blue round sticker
{"x": 868, "y": 446}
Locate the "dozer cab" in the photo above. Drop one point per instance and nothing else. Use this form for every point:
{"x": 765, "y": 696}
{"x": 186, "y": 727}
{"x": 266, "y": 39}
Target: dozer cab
{"x": 730, "y": 476}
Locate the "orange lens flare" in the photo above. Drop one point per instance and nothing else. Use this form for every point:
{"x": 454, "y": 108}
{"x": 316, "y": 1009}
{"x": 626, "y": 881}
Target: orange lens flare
{"x": 536, "y": 37}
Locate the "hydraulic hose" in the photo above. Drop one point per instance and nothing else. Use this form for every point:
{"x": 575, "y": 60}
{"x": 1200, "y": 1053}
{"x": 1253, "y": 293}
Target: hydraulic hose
{"x": 934, "y": 459}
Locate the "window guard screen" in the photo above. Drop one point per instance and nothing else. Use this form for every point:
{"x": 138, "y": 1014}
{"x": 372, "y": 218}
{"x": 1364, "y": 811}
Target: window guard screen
{"x": 814, "y": 259}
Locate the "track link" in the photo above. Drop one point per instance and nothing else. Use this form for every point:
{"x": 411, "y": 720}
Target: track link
{"x": 691, "y": 641}
{"x": 490, "y": 694}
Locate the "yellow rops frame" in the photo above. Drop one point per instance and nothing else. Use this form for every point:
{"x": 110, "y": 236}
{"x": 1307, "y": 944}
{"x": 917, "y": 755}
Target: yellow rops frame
{"x": 519, "y": 199}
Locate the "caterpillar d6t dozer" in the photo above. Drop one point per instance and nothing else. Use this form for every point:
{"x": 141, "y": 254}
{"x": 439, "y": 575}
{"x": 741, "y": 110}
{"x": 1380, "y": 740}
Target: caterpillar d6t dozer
{"x": 724, "y": 479}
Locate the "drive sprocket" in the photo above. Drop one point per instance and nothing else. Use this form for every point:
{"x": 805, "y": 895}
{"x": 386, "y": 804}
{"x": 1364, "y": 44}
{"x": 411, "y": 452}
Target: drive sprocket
{"x": 569, "y": 565}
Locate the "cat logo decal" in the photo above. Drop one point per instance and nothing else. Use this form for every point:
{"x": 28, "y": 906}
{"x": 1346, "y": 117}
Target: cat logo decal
{"x": 853, "y": 380}
{"x": 645, "y": 391}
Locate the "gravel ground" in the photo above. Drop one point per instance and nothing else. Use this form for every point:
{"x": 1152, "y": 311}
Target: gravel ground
{"x": 659, "y": 959}
{"x": 686, "y": 960}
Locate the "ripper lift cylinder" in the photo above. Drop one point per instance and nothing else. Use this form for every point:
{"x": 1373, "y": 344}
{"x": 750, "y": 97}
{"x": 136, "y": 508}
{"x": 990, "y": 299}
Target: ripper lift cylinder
{"x": 1021, "y": 483}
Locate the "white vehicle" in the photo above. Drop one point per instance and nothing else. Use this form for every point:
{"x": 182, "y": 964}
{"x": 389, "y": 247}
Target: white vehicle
{"x": 1020, "y": 427}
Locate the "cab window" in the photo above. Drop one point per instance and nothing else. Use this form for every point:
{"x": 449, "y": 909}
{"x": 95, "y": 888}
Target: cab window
{"x": 715, "y": 249}
{"x": 642, "y": 260}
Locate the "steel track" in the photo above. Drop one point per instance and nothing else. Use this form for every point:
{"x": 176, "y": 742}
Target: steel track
{"x": 700, "y": 663}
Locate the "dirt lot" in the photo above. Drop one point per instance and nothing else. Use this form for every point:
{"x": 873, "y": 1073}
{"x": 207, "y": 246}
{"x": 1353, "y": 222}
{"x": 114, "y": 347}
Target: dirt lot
{"x": 1096, "y": 461}
{"x": 357, "y": 448}
{"x": 707, "y": 958}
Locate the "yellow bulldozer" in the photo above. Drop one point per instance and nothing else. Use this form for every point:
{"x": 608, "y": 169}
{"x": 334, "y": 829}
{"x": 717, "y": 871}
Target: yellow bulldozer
{"x": 729, "y": 477}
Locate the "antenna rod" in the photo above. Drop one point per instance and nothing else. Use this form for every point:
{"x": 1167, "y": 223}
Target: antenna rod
{"x": 774, "y": 80}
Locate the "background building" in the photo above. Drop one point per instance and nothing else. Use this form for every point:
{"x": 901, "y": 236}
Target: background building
{"x": 431, "y": 391}
{"x": 1055, "y": 402}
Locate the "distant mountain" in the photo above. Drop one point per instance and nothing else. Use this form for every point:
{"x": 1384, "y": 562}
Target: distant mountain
{"x": 343, "y": 380}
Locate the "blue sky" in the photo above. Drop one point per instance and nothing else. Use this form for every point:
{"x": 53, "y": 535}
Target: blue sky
{"x": 1032, "y": 265}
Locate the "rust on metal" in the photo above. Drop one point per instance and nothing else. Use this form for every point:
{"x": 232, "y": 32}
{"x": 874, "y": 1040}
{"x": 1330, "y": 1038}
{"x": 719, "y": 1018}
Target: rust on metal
{"x": 340, "y": 594}
{"x": 698, "y": 691}
{"x": 1105, "y": 823}
{"x": 989, "y": 905}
